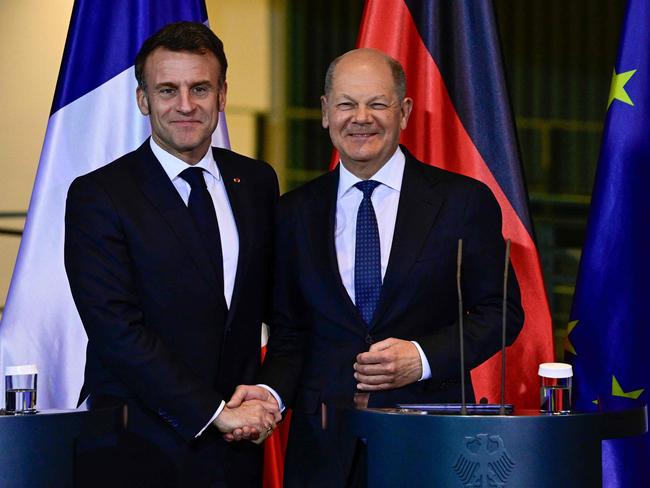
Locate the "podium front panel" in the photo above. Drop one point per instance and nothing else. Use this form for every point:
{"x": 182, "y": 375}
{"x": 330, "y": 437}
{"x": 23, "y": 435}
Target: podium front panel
{"x": 409, "y": 449}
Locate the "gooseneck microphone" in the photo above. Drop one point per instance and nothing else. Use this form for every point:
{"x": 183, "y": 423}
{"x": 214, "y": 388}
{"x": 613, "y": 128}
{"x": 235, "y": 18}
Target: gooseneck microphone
{"x": 461, "y": 314}
{"x": 482, "y": 408}
{"x": 459, "y": 263}
{"x": 502, "y": 408}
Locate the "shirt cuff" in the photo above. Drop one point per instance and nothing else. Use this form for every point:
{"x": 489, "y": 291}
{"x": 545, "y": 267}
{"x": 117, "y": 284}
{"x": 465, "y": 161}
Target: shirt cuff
{"x": 426, "y": 369}
{"x": 216, "y": 414}
{"x": 275, "y": 395}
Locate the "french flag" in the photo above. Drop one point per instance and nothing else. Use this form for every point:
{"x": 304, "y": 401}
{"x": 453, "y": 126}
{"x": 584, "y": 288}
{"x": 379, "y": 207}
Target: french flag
{"x": 94, "y": 120}
{"x": 461, "y": 121}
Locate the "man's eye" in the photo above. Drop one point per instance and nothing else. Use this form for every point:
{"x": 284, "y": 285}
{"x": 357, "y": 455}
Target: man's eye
{"x": 166, "y": 92}
{"x": 345, "y": 106}
{"x": 379, "y": 106}
{"x": 200, "y": 90}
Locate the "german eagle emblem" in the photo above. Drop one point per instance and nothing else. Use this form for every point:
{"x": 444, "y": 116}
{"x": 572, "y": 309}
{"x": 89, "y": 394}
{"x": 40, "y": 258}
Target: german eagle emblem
{"x": 485, "y": 462}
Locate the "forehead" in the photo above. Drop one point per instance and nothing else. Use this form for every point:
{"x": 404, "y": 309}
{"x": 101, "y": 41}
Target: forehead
{"x": 363, "y": 75}
{"x": 164, "y": 65}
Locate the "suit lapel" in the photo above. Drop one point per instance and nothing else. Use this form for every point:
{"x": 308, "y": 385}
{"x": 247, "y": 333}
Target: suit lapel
{"x": 319, "y": 218}
{"x": 237, "y": 189}
{"x": 161, "y": 193}
{"x": 418, "y": 207}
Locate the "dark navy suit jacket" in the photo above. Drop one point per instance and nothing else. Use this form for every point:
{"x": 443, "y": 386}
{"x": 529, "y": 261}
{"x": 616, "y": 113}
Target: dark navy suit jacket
{"x": 159, "y": 336}
{"x": 317, "y": 331}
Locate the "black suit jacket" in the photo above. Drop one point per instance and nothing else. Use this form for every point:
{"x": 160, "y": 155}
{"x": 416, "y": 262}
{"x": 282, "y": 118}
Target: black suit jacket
{"x": 159, "y": 335}
{"x": 317, "y": 331}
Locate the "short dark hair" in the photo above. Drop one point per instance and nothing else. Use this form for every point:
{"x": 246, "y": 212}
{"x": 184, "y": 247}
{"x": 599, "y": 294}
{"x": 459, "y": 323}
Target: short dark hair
{"x": 399, "y": 77}
{"x": 182, "y": 36}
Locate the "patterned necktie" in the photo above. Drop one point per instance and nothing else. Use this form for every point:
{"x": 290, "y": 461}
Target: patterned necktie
{"x": 202, "y": 210}
{"x": 367, "y": 255}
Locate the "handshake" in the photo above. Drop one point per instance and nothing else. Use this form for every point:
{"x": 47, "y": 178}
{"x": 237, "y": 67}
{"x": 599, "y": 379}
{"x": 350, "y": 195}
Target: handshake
{"x": 251, "y": 414}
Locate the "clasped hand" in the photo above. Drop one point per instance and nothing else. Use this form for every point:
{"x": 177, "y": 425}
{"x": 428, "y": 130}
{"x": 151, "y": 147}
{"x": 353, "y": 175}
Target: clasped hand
{"x": 391, "y": 363}
{"x": 251, "y": 414}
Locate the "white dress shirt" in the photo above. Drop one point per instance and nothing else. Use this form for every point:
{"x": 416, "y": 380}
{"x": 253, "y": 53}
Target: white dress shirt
{"x": 385, "y": 201}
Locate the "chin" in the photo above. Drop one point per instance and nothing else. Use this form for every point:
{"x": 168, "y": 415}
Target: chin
{"x": 362, "y": 156}
{"x": 189, "y": 145}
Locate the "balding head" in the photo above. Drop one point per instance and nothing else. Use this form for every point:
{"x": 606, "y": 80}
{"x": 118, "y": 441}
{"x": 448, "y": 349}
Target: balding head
{"x": 364, "y": 109}
{"x": 369, "y": 55}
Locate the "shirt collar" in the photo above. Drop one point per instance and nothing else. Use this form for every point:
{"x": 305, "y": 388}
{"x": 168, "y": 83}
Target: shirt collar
{"x": 173, "y": 165}
{"x": 390, "y": 174}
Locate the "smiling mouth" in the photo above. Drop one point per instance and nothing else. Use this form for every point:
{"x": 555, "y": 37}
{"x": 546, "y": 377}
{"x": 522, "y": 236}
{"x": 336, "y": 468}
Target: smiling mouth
{"x": 363, "y": 135}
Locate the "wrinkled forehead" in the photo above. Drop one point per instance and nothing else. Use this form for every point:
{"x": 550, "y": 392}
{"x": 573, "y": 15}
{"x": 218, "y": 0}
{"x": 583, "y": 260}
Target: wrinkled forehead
{"x": 368, "y": 78}
{"x": 162, "y": 61}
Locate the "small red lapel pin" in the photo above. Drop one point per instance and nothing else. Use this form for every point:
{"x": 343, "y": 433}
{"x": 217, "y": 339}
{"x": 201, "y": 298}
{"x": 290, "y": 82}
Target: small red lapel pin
{"x": 236, "y": 180}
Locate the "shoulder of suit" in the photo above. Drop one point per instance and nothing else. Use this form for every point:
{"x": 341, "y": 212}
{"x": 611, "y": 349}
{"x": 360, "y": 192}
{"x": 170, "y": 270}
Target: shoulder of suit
{"x": 114, "y": 169}
{"x": 445, "y": 177}
{"x": 243, "y": 163}
{"x": 319, "y": 187}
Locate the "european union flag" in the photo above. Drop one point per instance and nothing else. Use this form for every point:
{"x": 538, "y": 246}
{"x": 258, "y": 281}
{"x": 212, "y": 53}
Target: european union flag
{"x": 609, "y": 336}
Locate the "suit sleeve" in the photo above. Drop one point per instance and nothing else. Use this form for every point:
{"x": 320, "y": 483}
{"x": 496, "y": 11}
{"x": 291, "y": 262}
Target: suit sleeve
{"x": 99, "y": 270}
{"x": 284, "y": 359}
{"x": 482, "y": 287}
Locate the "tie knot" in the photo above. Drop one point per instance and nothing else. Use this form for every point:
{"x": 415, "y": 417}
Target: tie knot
{"x": 194, "y": 176}
{"x": 367, "y": 187}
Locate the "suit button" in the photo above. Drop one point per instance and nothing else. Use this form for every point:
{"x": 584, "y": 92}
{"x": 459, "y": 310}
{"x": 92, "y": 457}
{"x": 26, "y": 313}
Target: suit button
{"x": 369, "y": 339}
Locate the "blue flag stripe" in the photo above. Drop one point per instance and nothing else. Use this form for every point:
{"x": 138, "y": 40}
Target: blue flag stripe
{"x": 111, "y": 32}
{"x": 469, "y": 67}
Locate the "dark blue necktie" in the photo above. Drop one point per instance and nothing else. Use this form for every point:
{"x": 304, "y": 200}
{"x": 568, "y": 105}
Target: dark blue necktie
{"x": 367, "y": 255}
{"x": 204, "y": 216}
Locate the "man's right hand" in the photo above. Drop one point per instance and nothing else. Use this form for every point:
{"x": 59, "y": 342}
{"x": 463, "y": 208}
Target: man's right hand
{"x": 250, "y": 419}
{"x": 244, "y": 395}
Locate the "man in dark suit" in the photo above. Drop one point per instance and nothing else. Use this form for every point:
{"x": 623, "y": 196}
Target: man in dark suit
{"x": 168, "y": 252}
{"x": 366, "y": 309}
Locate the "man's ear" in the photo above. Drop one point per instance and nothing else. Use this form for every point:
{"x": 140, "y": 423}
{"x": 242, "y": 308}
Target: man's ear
{"x": 323, "y": 106}
{"x": 223, "y": 92}
{"x": 143, "y": 101}
{"x": 407, "y": 106}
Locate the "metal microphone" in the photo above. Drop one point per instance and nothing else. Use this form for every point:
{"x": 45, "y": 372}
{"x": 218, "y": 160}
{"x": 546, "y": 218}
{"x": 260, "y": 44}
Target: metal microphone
{"x": 502, "y": 408}
{"x": 459, "y": 262}
{"x": 482, "y": 408}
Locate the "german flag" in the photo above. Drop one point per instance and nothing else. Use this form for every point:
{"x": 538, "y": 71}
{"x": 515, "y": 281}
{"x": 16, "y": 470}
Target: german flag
{"x": 462, "y": 122}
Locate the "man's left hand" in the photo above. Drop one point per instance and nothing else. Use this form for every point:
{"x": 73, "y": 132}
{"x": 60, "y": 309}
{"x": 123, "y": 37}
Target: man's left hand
{"x": 246, "y": 394}
{"x": 388, "y": 364}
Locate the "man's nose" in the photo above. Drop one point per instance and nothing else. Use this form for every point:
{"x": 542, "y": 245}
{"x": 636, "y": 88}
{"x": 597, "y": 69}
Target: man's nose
{"x": 185, "y": 103}
{"x": 362, "y": 114}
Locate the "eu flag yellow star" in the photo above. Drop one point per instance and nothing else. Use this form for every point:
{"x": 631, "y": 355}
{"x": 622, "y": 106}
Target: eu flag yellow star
{"x": 618, "y": 391}
{"x": 617, "y": 88}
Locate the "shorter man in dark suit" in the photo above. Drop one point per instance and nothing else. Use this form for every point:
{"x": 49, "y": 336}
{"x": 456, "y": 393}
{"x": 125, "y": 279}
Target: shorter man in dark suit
{"x": 168, "y": 252}
{"x": 365, "y": 307}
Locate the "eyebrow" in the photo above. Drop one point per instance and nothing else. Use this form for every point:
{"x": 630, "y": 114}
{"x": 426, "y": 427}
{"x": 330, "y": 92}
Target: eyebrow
{"x": 372, "y": 99}
{"x": 176, "y": 85}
